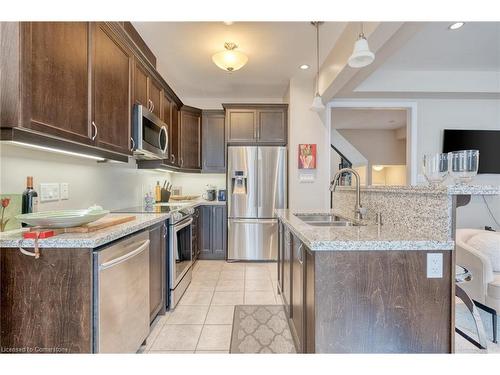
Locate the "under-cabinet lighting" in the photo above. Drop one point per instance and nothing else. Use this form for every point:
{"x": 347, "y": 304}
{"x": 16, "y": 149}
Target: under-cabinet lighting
{"x": 56, "y": 150}
{"x": 378, "y": 168}
{"x": 456, "y": 25}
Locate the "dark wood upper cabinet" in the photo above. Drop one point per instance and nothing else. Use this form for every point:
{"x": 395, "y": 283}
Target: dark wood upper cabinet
{"x": 155, "y": 95}
{"x": 272, "y": 126}
{"x": 241, "y": 125}
{"x": 57, "y": 93}
{"x": 111, "y": 90}
{"x": 256, "y": 123}
{"x": 213, "y": 144}
{"x": 174, "y": 137}
{"x": 190, "y": 138}
{"x": 140, "y": 84}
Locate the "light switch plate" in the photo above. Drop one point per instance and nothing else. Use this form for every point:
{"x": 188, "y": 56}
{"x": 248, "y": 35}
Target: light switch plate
{"x": 64, "y": 190}
{"x": 306, "y": 177}
{"x": 434, "y": 265}
{"x": 49, "y": 192}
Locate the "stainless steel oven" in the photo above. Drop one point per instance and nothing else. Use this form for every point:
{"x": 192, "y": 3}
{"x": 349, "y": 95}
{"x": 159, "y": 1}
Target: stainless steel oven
{"x": 181, "y": 257}
{"x": 149, "y": 135}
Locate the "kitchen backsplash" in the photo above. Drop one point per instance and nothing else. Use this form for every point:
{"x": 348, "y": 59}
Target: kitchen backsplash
{"x": 111, "y": 185}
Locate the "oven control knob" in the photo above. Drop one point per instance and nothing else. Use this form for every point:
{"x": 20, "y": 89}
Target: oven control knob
{"x": 189, "y": 211}
{"x": 176, "y": 216}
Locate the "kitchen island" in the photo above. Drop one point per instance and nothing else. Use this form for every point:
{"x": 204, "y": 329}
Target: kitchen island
{"x": 360, "y": 287}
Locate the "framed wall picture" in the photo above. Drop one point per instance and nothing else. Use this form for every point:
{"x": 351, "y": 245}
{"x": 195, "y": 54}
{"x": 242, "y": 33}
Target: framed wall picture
{"x": 307, "y": 156}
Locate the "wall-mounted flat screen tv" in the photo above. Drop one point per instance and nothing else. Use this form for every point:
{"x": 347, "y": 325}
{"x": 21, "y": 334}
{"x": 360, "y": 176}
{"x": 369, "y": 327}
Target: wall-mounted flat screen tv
{"x": 486, "y": 141}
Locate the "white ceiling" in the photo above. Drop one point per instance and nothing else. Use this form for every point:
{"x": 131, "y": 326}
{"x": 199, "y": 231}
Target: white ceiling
{"x": 475, "y": 46}
{"x": 368, "y": 118}
{"x": 275, "y": 50}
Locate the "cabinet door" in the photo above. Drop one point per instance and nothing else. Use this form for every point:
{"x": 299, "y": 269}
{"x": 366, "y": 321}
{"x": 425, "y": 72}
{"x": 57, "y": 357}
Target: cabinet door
{"x": 309, "y": 304}
{"x": 174, "y": 133}
{"x": 241, "y": 125}
{"x": 298, "y": 265}
{"x": 281, "y": 247}
{"x": 287, "y": 272}
{"x": 59, "y": 79}
{"x": 196, "y": 229}
{"x": 213, "y": 150}
{"x": 219, "y": 232}
{"x": 190, "y": 140}
{"x": 111, "y": 99}
{"x": 272, "y": 126}
{"x": 140, "y": 84}
{"x": 166, "y": 114}
{"x": 155, "y": 95}
{"x": 157, "y": 249}
{"x": 205, "y": 232}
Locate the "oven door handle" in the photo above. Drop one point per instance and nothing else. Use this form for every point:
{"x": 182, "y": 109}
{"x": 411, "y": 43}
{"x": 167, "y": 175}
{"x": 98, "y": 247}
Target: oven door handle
{"x": 183, "y": 224}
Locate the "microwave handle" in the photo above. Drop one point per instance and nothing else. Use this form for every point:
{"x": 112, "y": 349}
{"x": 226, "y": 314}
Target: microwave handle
{"x": 164, "y": 150}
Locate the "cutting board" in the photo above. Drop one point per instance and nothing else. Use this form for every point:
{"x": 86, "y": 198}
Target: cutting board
{"x": 183, "y": 197}
{"x": 103, "y": 223}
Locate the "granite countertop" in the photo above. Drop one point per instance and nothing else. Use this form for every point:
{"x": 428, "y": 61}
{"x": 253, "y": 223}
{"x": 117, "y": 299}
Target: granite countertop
{"x": 425, "y": 189}
{"x": 103, "y": 236}
{"x": 366, "y": 236}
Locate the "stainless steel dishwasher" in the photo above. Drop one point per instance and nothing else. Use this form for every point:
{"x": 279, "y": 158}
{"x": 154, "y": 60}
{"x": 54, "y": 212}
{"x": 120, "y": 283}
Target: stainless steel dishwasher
{"x": 121, "y": 295}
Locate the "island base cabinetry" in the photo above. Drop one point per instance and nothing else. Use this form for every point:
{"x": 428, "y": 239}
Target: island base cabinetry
{"x": 366, "y": 301}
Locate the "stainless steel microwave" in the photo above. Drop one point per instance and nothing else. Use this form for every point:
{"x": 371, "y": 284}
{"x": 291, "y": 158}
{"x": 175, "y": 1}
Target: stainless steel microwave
{"x": 149, "y": 135}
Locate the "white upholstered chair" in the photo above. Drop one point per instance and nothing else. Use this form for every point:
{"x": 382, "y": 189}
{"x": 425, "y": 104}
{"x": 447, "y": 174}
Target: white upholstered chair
{"x": 473, "y": 253}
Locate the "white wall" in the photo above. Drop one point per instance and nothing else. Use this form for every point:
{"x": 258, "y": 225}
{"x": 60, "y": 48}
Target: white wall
{"x": 379, "y": 146}
{"x": 196, "y": 183}
{"x": 306, "y": 126}
{"x": 111, "y": 185}
{"x": 216, "y": 103}
{"x": 434, "y": 115}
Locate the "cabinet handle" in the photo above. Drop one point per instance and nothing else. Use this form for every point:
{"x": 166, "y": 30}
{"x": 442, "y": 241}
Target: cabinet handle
{"x": 172, "y": 157}
{"x": 95, "y": 128}
{"x": 181, "y": 160}
{"x": 133, "y": 144}
{"x": 164, "y": 230}
{"x": 300, "y": 256}
{"x": 152, "y": 106}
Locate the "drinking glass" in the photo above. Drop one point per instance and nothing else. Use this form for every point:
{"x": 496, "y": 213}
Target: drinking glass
{"x": 464, "y": 165}
{"x": 435, "y": 168}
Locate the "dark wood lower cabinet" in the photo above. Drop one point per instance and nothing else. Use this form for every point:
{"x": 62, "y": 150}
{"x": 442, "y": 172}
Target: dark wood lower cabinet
{"x": 366, "y": 301}
{"x": 298, "y": 300}
{"x": 213, "y": 232}
{"x": 157, "y": 269}
{"x": 46, "y": 303}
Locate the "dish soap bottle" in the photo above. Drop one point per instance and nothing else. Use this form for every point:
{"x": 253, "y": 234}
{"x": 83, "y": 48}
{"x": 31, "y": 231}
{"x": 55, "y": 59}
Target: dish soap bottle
{"x": 158, "y": 192}
{"x": 30, "y": 198}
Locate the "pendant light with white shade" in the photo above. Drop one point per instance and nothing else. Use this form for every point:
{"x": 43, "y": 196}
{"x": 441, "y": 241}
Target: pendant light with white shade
{"x": 361, "y": 55}
{"x": 317, "y": 104}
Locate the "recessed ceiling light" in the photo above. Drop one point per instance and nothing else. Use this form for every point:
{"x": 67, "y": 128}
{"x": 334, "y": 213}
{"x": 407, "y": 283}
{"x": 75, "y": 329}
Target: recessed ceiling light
{"x": 456, "y": 25}
{"x": 304, "y": 67}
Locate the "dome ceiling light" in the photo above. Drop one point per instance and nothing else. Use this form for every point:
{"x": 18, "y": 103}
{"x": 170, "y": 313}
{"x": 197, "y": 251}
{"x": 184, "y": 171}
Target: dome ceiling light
{"x": 361, "y": 55}
{"x": 230, "y": 59}
{"x": 317, "y": 104}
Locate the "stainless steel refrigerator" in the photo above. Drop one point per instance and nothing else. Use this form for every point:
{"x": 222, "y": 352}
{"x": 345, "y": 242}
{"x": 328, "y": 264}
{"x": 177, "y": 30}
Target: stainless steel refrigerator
{"x": 257, "y": 185}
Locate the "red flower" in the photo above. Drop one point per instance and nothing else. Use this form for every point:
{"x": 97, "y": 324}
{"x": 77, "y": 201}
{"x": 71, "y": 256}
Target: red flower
{"x": 5, "y": 202}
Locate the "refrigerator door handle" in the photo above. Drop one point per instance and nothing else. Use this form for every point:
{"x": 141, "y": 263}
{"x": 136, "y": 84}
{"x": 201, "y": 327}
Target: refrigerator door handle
{"x": 254, "y": 221}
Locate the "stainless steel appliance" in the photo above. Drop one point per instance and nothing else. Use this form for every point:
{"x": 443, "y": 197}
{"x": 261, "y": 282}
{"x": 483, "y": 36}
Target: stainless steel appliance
{"x": 181, "y": 257}
{"x": 121, "y": 300}
{"x": 257, "y": 185}
{"x": 149, "y": 135}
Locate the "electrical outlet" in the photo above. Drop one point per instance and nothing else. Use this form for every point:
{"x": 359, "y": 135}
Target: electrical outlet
{"x": 64, "y": 190}
{"x": 49, "y": 192}
{"x": 434, "y": 265}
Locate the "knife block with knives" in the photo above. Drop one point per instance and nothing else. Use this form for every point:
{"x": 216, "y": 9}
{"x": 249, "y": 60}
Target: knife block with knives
{"x": 166, "y": 191}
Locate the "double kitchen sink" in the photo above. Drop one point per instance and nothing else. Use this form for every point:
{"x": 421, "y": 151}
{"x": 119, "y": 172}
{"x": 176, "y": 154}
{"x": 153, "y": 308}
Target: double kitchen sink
{"x": 326, "y": 220}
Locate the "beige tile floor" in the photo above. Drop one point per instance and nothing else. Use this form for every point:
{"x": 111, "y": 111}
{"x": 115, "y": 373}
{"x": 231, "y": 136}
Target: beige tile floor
{"x": 202, "y": 321}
